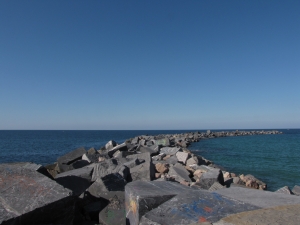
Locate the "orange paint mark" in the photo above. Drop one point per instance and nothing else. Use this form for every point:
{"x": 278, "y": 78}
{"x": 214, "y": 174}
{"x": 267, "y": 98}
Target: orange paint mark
{"x": 133, "y": 206}
{"x": 201, "y": 219}
{"x": 207, "y": 209}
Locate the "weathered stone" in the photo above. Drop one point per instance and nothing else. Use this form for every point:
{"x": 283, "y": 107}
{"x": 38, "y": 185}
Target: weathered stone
{"x": 135, "y": 141}
{"x": 91, "y": 151}
{"x": 194, "y": 207}
{"x": 121, "y": 147}
{"x": 296, "y": 190}
{"x": 172, "y": 160}
{"x": 157, "y": 175}
{"x": 263, "y": 199}
{"x": 144, "y": 149}
{"x": 163, "y": 141}
{"x": 182, "y": 157}
{"x": 104, "y": 168}
{"x": 77, "y": 180}
{"x": 284, "y": 190}
{"x": 114, "y": 212}
{"x": 142, "y": 156}
{"x": 226, "y": 175}
{"x": 109, "y": 145}
{"x": 207, "y": 179}
{"x": 162, "y": 167}
{"x": 80, "y": 164}
{"x": 158, "y": 157}
{"x": 198, "y": 173}
{"x": 143, "y": 196}
{"x": 179, "y": 173}
{"x": 237, "y": 180}
{"x": 144, "y": 171}
{"x": 52, "y": 169}
{"x": 28, "y": 197}
{"x": 198, "y": 160}
{"x": 110, "y": 182}
{"x": 216, "y": 186}
{"x": 84, "y": 157}
{"x": 65, "y": 161}
{"x": 169, "y": 150}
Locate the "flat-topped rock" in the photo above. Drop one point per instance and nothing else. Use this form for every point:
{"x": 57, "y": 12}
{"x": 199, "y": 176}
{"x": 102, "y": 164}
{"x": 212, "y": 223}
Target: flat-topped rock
{"x": 65, "y": 161}
{"x": 194, "y": 207}
{"x": 143, "y": 196}
{"x": 76, "y": 180}
{"x": 28, "y": 197}
{"x": 263, "y": 199}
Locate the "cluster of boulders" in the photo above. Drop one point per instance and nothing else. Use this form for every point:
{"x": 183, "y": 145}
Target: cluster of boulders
{"x": 97, "y": 178}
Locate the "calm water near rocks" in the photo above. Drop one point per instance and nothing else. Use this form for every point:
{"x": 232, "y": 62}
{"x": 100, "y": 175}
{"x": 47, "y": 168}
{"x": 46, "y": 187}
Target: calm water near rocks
{"x": 274, "y": 159}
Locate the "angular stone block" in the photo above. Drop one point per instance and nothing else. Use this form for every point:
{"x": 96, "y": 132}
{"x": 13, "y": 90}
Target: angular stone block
{"x": 163, "y": 142}
{"x": 104, "y": 168}
{"x": 211, "y": 176}
{"x": 263, "y": 199}
{"x": 182, "y": 157}
{"x": 144, "y": 171}
{"x": 65, "y": 161}
{"x": 110, "y": 182}
{"x": 114, "y": 212}
{"x": 198, "y": 160}
{"x": 91, "y": 151}
{"x": 216, "y": 186}
{"x": 169, "y": 150}
{"x": 77, "y": 180}
{"x": 142, "y": 156}
{"x": 296, "y": 190}
{"x": 143, "y": 196}
{"x": 144, "y": 149}
{"x": 194, "y": 207}
{"x": 162, "y": 167}
{"x": 179, "y": 173}
{"x": 284, "y": 190}
{"x": 172, "y": 160}
{"x": 121, "y": 147}
{"x": 28, "y": 197}
{"x": 109, "y": 145}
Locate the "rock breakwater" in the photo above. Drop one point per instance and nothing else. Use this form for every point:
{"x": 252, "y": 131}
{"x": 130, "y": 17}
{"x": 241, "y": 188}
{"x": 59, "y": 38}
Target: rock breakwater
{"x": 140, "y": 181}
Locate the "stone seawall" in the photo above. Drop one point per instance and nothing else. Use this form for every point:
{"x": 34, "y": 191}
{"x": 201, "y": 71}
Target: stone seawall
{"x": 145, "y": 180}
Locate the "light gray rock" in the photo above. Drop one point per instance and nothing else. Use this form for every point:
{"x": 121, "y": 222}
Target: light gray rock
{"x": 111, "y": 144}
{"x": 296, "y": 190}
{"x": 179, "y": 173}
{"x": 284, "y": 190}
{"x": 169, "y": 150}
{"x": 182, "y": 157}
{"x": 263, "y": 199}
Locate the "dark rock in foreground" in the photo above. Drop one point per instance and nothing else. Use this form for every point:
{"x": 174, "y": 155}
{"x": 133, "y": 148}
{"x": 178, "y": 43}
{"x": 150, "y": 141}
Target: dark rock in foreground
{"x": 28, "y": 197}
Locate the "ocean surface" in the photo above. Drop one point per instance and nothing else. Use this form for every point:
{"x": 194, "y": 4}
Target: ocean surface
{"x": 274, "y": 159}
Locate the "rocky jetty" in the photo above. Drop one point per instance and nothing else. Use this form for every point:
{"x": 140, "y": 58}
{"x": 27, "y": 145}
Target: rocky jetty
{"x": 145, "y": 180}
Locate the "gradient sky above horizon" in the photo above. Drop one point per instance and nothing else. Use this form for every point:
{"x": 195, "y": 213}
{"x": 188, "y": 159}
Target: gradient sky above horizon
{"x": 149, "y": 64}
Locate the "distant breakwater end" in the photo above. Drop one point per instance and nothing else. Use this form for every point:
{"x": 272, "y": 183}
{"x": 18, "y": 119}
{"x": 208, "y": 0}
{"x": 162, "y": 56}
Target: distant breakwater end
{"x": 126, "y": 183}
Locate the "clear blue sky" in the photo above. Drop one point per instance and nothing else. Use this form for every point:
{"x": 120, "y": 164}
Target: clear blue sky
{"x": 149, "y": 64}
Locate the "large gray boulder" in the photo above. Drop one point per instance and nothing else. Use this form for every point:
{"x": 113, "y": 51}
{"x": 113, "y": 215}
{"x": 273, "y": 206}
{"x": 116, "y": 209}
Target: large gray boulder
{"x": 28, "y": 197}
{"x": 77, "y": 180}
{"x": 143, "y": 196}
{"x": 194, "y": 207}
{"x": 65, "y": 162}
{"x": 208, "y": 178}
{"x": 104, "y": 168}
{"x": 179, "y": 173}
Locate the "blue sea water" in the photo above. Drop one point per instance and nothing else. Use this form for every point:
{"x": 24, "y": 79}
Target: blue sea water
{"x": 274, "y": 159}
